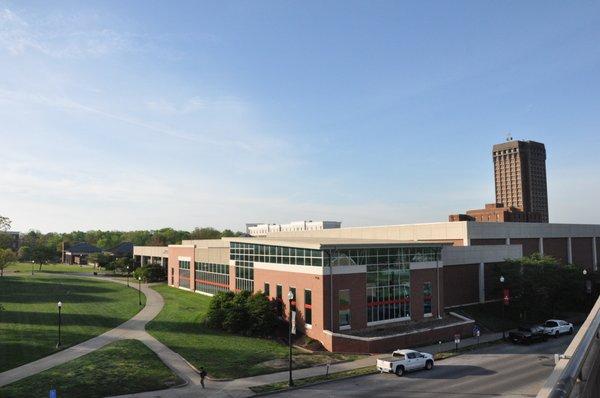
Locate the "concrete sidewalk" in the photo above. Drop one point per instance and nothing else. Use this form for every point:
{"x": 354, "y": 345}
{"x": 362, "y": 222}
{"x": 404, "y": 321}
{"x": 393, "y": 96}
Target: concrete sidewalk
{"x": 134, "y": 328}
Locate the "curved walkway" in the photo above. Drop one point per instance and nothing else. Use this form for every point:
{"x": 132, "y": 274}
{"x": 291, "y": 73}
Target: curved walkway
{"x": 134, "y": 328}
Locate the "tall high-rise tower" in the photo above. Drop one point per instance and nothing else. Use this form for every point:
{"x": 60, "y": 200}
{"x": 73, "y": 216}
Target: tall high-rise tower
{"x": 520, "y": 174}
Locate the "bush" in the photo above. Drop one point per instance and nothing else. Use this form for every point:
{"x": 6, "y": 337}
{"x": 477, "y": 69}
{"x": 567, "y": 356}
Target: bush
{"x": 150, "y": 273}
{"x": 243, "y": 312}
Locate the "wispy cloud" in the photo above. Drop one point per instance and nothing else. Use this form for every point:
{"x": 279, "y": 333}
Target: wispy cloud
{"x": 68, "y": 104}
{"x": 58, "y": 36}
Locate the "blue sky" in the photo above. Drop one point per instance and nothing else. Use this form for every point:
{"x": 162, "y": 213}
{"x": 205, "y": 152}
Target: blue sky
{"x": 126, "y": 115}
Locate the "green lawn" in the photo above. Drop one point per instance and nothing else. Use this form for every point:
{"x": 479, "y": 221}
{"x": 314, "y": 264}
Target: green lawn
{"x": 123, "y": 367}
{"x": 223, "y": 355}
{"x": 49, "y": 268}
{"x": 28, "y": 323}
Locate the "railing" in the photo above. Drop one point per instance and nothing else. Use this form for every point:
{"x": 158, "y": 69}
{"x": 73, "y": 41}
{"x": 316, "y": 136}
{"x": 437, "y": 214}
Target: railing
{"x": 577, "y": 372}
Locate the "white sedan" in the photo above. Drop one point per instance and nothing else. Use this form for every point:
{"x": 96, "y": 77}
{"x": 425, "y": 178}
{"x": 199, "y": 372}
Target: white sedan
{"x": 556, "y": 327}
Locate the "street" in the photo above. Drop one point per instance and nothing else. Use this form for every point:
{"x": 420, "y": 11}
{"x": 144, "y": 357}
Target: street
{"x": 505, "y": 369}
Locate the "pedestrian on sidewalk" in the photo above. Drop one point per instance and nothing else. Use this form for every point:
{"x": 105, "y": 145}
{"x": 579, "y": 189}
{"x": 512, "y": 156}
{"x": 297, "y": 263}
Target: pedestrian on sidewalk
{"x": 202, "y": 375}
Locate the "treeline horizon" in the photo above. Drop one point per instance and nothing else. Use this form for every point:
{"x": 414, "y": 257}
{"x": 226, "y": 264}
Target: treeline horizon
{"x": 109, "y": 239}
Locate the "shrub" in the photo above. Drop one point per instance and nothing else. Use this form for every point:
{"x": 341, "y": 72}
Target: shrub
{"x": 243, "y": 312}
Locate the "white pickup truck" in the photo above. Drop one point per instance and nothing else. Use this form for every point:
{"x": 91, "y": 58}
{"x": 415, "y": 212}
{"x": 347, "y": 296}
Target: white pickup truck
{"x": 405, "y": 360}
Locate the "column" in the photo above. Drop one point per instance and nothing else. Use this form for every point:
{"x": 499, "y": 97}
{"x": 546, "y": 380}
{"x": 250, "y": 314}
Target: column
{"x": 508, "y": 241}
{"x": 595, "y": 253}
{"x": 541, "y": 247}
{"x": 142, "y": 261}
{"x": 481, "y": 282}
{"x": 162, "y": 262}
{"x": 569, "y": 251}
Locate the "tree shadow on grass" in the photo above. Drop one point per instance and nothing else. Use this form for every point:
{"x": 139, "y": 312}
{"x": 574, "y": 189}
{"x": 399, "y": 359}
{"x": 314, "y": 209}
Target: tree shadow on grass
{"x": 14, "y": 290}
{"x": 50, "y": 318}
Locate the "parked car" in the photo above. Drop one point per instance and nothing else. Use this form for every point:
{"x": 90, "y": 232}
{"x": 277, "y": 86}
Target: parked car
{"x": 528, "y": 334}
{"x": 556, "y": 327}
{"x": 404, "y": 361}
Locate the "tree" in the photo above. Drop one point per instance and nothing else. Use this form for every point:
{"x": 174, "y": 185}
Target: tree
{"x": 6, "y": 240}
{"x": 5, "y": 223}
{"x": 24, "y": 253}
{"x": 205, "y": 233}
{"x": 42, "y": 254}
{"x": 7, "y": 257}
{"x": 100, "y": 259}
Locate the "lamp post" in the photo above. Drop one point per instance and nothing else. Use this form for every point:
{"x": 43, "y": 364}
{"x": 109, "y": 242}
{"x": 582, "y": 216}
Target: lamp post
{"x": 140, "y": 290}
{"x": 59, "y": 305}
{"x": 128, "y": 276}
{"x": 588, "y": 288}
{"x": 290, "y": 298}
{"x": 502, "y": 303}
{"x": 32, "y": 264}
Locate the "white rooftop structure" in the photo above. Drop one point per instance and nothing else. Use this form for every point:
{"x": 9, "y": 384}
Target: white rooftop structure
{"x": 265, "y": 229}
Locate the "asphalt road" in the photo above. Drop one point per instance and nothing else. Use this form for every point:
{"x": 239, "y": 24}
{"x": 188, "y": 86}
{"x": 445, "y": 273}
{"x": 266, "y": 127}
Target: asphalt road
{"x": 500, "y": 370}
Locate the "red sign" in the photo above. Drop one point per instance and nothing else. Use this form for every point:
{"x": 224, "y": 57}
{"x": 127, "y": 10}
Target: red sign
{"x": 506, "y": 296}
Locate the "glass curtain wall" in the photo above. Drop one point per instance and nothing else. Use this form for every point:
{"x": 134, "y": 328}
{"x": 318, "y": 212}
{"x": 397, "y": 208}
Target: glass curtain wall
{"x": 212, "y": 278}
{"x": 184, "y": 274}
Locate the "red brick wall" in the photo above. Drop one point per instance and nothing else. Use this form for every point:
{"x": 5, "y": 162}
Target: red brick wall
{"x": 300, "y": 282}
{"x": 557, "y": 248}
{"x": 173, "y": 268}
{"x": 357, "y": 284}
{"x": 530, "y": 245}
{"x": 417, "y": 279}
{"x": 582, "y": 251}
{"x": 461, "y": 284}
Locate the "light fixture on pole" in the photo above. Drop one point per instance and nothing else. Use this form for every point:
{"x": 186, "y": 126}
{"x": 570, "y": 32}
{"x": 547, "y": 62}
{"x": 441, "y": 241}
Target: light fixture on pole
{"x": 502, "y": 303}
{"x": 140, "y": 290}
{"x": 128, "y": 276}
{"x": 290, "y": 298}
{"x": 32, "y": 264}
{"x": 59, "y": 305}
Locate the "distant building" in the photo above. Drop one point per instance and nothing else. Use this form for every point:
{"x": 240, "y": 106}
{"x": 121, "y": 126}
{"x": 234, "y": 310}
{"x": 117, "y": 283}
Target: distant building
{"x": 493, "y": 212}
{"x": 78, "y": 253}
{"x": 520, "y": 175}
{"x": 123, "y": 249}
{"x": 520, "y": 181}
{"x": 255, "y": 229}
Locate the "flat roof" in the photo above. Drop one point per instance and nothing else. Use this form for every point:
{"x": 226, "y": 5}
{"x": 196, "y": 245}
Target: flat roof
{"x": 338, "y": 243}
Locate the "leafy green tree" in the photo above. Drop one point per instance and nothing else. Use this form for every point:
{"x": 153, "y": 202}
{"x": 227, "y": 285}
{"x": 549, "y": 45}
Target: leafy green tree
{"x": 5, "y": 223}
{"x": 43, "y": 255}
{"x": 237, "y": 318}
{"x": 7, "y": 257}
{"x": 100, "y": 259}
{"x": 215, "y": 315}
{"x": 205, "y": 233}
{"x": 263, "y": 315}
{"x": 6, "y": 240}
{"x": 24, "y": 253}
{"x": 150, "y": 273}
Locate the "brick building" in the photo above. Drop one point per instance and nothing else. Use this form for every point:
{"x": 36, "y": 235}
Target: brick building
{"x": 371, "y": 289}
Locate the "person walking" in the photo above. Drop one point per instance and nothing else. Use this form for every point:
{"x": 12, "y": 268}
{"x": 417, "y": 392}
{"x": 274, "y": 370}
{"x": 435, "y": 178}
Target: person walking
{"x": 202, "y": 376}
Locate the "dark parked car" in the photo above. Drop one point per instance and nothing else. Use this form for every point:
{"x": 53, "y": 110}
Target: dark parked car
{"x": 528, "y": 334}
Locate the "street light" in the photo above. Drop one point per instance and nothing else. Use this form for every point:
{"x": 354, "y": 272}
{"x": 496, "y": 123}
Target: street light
{"x": 290, "y": 298}
{"x": 140, "y": 290}
{"x": 588, "y": 288}
{"x": 32, "y": 264}
{"x": 128, "y": 276}
{"x": 59, "y": 305}
{"x": 502, "y": 303}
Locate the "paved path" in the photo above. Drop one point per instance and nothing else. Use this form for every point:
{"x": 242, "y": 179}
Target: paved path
{"x": 134, "y": 328}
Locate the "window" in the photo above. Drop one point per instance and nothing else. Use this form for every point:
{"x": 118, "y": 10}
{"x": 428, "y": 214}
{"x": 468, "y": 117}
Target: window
{"x": 307, "y": 307}
{"x": 427, "y": 298}
{"x": 344, "y": 308}
{"x": 267, "y": 290}
{"x": 279, "y": 292}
